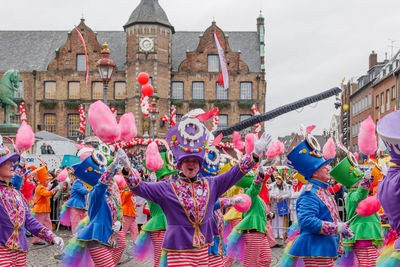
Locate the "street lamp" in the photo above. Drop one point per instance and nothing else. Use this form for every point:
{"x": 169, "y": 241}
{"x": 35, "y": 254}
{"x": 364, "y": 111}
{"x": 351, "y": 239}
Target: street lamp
{"x": 106, "y": 67}
{"x": 153, "y": 113}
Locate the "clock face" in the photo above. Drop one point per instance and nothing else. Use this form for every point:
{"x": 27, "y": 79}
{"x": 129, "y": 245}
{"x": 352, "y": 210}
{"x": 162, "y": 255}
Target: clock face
{"x": 146, "y": 44}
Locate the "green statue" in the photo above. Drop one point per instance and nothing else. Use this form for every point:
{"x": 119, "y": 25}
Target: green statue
{"x": 9, "y": 83}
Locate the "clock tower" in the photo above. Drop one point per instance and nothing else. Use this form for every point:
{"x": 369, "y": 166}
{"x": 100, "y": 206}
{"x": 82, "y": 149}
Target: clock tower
{"x": 148, "y": 49}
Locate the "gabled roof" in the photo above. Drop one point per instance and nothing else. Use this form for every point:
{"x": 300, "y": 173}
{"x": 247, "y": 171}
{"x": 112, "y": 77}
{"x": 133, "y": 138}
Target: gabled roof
{"x": 149, "y": 11}
{"x": 47, "y": 136}
{"x": 34, "y": 50}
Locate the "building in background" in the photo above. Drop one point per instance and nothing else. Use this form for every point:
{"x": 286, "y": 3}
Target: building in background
{"x": 183, "y": 67}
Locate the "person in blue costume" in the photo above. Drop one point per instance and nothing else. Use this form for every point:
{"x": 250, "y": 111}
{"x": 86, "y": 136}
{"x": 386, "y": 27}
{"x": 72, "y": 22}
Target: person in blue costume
{"x": 102, "y": 236}
{"x": 76, "y": 205}
{"x": 319, "y": 241}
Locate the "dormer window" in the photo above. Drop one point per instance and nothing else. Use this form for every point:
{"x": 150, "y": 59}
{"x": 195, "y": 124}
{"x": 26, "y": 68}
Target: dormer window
{"x": 213, "y": 63}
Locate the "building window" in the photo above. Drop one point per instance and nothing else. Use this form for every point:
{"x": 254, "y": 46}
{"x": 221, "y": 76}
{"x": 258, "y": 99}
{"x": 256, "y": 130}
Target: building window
{"x": 120, "y": 90}
{"x": 178, "y": 117}
{"x": 49, "y": 90}
{"x": 74, "y": 89}
{"x": 80, "y": 62}
{"x": 177, "y": 90}
{"x": 221, "y": 93}
{"x": 377, "y": 101}
{"x": 97, "y": 90}
{"x": 15, "y": 119}
{"x": 393, "y": 92}
{"x": 198, "y": 90}
{"x": 213, "y": 63}
{"x": 382, "y": 103}
{"x": 49, "y": 122}
{"x": 223, "y": 121}
{"x": 387, "y": 100}
{"x": 73, "y": 125}
{"x": 246, "y": 91}
{"x": 242, "y": 118}
{"x": 19, "y": 93}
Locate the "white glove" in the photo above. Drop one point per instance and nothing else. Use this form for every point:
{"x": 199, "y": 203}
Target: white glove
{"x": 153, "y": 177}
{"x": 116, "y": 226}
{"x": 341, "y": 227}
{"x": 385, "y": 168}
{"x": 124, "y": 160}
{"x": 262, "y": 145}
{"x": 49, "y": 186}
{"x": 367, "y": 174}
{"x": 59, "y": 242}
{"x": 238, "y": 199}
{"x": 22, "y": 159}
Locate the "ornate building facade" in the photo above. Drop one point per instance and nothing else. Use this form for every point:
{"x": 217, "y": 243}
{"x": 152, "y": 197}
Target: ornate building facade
{"x": 183, "y": 69}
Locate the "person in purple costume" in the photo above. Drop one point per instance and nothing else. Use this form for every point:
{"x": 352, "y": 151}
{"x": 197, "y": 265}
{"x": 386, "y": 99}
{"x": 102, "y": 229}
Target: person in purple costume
{"x": 389, "y": 188}
{"x": 188, "y": 201}
{"x": 15, "y": 214}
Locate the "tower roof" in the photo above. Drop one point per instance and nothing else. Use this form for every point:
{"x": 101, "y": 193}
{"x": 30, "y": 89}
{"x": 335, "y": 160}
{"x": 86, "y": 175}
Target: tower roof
{"x": 149, "y": 11}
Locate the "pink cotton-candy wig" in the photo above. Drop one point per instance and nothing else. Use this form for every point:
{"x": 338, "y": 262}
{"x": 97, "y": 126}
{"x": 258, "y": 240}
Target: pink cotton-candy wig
{"x": 368, "y": 206}
{"x": 120, "y": 180}
{"x": 62, "y": 176}
{"x": 127, "y": 124}
{"x": 103, "y": 122}
{"x": 237, "y": 141}
{"x": 245, "y": 205}
{"x": 275, "y": 149}
{"x": 329, "y": 149}
{"x": 154, "y": 161}
{"x": 367, "y": 138}
{"x": 24, "y": 138}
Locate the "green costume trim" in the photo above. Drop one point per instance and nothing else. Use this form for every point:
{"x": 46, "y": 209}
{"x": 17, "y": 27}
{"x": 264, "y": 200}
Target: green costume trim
{"x": 158, "y": 220}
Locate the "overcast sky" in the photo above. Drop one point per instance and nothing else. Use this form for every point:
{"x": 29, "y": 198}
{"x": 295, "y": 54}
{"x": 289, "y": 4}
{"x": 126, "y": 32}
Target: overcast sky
{"x": 310, "y": 44}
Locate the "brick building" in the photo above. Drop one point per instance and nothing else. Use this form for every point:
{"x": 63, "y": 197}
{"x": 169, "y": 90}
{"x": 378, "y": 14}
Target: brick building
{"x": 183, "y": 66}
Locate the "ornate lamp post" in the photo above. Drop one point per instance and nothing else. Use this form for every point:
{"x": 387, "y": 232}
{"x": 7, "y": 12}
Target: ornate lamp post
{"x": 153, "y": 113}
{"x": 106, "y": 67}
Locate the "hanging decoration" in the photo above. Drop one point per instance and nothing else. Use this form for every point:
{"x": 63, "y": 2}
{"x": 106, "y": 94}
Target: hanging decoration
{"x": 172, "y": 112}
{"x": 255, "y": 112}
{"x": 86, "y": 55}
{"x": 215, "y": 121}
{"x": 22, "y": 113}
{"x": 145, "y": 105}
{"x": 114, "y": 111}
{"x": 82, "y": 120}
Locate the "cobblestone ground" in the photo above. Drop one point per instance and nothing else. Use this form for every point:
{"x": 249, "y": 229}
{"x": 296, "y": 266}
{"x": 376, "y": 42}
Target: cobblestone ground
{"x": 45, "y": 255}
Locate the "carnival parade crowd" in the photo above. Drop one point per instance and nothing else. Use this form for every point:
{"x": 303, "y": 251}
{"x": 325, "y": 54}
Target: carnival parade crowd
{"x": 188, "y": 203}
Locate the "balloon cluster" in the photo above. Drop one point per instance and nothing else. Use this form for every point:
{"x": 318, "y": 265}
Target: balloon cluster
{"x": 147, "y": 90}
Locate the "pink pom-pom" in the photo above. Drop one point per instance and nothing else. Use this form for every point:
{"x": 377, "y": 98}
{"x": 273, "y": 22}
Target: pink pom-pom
{"x": 217, "y": 140}
{"x": 329, "y": 149}
{"x": 237, "y": 141}
{"x": 127, "y": 124}
{"x": 103, "y": 122}
{"x": 366, "y": 137}
{"x": 356, "y": 155}
{"x": 249, "y": 143}
{"x": 153, "y": 158}
{"x": 24, "y": 138}
{"x": 120, "y": 180}
{"x": 368, "y": 206}
{"x": 245, "y": 204}
{"x": 137, "y": 173}
{"x": 62, "y": 175}
{"x": 275, "y": 149}
{"x": 310, "y": 128}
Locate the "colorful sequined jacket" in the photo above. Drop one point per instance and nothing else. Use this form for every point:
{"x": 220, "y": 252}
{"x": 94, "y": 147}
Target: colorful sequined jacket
{"x": 103, "y": 213}
{"x": 364, "y": 228}
{"x": 78, "y": 195}
{"x": 317, "y": 217}
{"x": 15, "y": 216}
{"x": 189, "y": 206}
